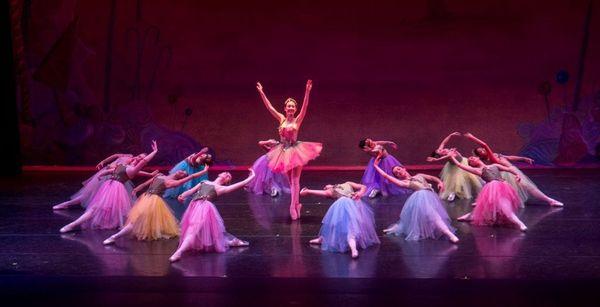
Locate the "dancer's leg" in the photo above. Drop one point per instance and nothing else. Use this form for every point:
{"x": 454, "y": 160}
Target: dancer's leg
{"x": 537, "y": 194}
{"x": 82, "y": 219}
{"x": 68, "y": 203}
{"x": 186, "y": 244}
{"x": 125, "y": 230}
{"x": 445, "y": 230}
{"x": 352, "y": 245}
{"x": 306, "y": 191}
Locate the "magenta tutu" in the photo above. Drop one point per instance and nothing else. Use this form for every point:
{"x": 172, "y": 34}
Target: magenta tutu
{"x": 109, "y": 206}
{"x": 203, "y": 222}
{"x": 496, "y": 201}
{"x": 283, "y": 158}
{"x": 374, "y": 181}
{"x": 266, "y": 180}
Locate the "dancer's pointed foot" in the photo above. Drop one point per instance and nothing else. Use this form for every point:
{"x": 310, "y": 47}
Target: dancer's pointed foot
{"x": 453, "y": 238}
{"x": 59, "y": 207}
{"x": 175, "y": 257}
{"x": 451, "y": 197}
{"x": 299, "y": 209}
{"x": 274, "y": 192}
{"x": 316, "y": 240}
{"x": 556, "y": 203}
{"x": 373, "y": 193}
{"x": 523, "y": 228}
{"x": 237, "y": 242}
{"x": 390, "y": 229}
{"x": 464, "y": 218}
{"x": 108, "y": 241}
{"x": 293, "y": 212}
{"x": 66, "y": 229}
{"x": 354, "y": 254}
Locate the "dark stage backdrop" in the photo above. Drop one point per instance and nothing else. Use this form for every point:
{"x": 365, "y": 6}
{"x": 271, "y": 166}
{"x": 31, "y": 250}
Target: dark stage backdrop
{"x": 97, "y": 77}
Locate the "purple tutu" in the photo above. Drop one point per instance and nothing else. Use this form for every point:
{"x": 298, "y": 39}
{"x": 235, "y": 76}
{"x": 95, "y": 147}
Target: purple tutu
{"x": 109, "y": 206}
{"x": 348, "y": 217}
{"x": 203, "y": 221}
{"x": 266, "y": 180}
{"x": 419, "y": 215}
{"x": 374, "y": 181}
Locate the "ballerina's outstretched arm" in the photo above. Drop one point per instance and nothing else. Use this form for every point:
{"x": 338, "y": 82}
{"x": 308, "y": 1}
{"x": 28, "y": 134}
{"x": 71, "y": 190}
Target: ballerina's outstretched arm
{"x": 490, "y": 153}
{"x": 132, "y": 171}
{"x": 509, "y": 170}
{"x": 442, "y": 158}
{"x": 324, "y": 193}
{"x": 468, "y": 168}
{"x": 386, "y": 143}
{"x": 519, "y": 159}
{"x": 447, "y": 139}
{"x": 110, "y": 159}
{"x": 302, "y": 113}
{"x": 189, "y": 192}
{"x": 237, "y": 185}
{"x": 195, "y": 156}
{"x": 146, "y": 174}
{"x": 169, "y": 183}
{"x": 142, "y": 186}
{"x": 436, "y": 180}
{"x": 394, "y": 180}
{"x": 268, "y": 104}
{"x": 268, "y": 144}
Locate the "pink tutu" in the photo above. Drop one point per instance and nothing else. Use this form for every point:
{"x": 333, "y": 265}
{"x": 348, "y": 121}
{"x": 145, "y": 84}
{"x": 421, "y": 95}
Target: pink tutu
{"x": 109, "y": 206}
{"x": 284, "y": 158}
{"x": 203, "y": 221}
{"x": 266, "y": 180}
{"x": 91, "y": 185}
{"x": 496, "y": 201}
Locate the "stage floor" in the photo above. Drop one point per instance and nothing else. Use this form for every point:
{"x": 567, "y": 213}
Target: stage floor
{"x": 556, "y": 262}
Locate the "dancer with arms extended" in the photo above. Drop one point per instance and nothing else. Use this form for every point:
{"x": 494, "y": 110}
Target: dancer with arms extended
{"x": 194, "y": 163}
{"x": 371, "y": 178}
{"x": 349, "y": 222}
{"x": 290, "y": 155}
{"x": 111, "y": 203}
{"x": 202, "y": 226}
{"x": 457, "y": 182}
{"x": 151, "y": 218}
{"x": 423, "y": 215}
{"x": 525, "y": 188}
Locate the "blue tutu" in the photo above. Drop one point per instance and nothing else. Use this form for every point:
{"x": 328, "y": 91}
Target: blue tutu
{"x": 347, "y": 217}
{"x": 189, "y": 169}
{"x": 417, "y": 219}
{"x": 374, "y": 181}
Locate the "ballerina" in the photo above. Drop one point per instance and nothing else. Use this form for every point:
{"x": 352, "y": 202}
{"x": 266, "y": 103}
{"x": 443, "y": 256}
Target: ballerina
{"x": 202, "y": 227}
{"x": 111, "y": 203}
{"x": 498, "y": 202}
{"x": 457, "y": 182}
{"x": 290, "y": 155}
{"x": 525, "y": 188}
{"x": 348, "y": 222}
{"x": 376, "y": 183}
{"x": 91, "y": 185}
{"x": 194, "y": 163}
{"x": 423, "y": 215}
{"x": 267, "y": 181}
{"x": 151, "y": 218}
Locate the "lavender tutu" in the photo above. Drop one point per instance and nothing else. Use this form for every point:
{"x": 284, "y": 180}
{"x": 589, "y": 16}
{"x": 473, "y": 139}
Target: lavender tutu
{"x": 374, "y": 181}
{"x": 419, "y": 216}
{"x": 109, "y": 206}
{"x": 496, "y": 202}
{"x": 347, "y": 217}
{"x": 266, "y": 180}
{"x": 189, "y": 169}
{"x": 203, "y": 221}
{"x": 283, "y": 158}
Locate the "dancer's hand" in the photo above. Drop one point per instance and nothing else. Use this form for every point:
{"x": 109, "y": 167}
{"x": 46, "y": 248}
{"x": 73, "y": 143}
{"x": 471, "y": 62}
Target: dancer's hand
{"x": 308, "y": 85}
{"x": 518, "y": 178}
{"x": 356, "y": 195}
{"x": 468, "y": 135}
{"x": 529, "y": 161}
{"x": 252, "y": 174}
{"x": 180, "y": 199}
{"x": 154, "y": 146}
{"x": 440, "y": 186}
{"x": 99, "y": 166}
{"x": 393, "y": 145}
{"x": 430, "y": 159}
{"x": 455, "y": 133}
{"x": 259, "y": 87}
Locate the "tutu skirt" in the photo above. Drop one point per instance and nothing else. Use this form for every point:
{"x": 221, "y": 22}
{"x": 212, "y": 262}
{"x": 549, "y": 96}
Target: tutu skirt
{"x": 419, "y": 216}
{"x": 374, "y": 181}
{"x": 109, "y": 206}
{"x": 203, "y": 222}
{"x": 152, "y": 219}
{"x": 91, "y": 185}
{"x": 284, "y": 158}
{"x": 265, "y": 180}
{"x": 189, "y": 169}
{"x": 462, "y": 183}
{"x": 347, "y": 217}
{"x": 496, "y": 202}
{"x": 519, "y": 186}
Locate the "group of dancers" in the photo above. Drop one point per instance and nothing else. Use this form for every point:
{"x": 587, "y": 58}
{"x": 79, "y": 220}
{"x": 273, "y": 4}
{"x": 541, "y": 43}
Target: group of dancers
{"x": 110, "y": 200}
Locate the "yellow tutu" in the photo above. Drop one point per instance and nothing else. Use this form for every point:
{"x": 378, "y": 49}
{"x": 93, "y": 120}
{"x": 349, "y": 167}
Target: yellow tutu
{"x": 462, "y": 183}
{"x": 152, "y": 219}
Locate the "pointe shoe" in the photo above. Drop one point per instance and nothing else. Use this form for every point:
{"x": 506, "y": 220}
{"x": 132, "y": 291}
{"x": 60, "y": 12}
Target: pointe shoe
{"x": 373, "y": 193}
{"x": 315, "y": 241}
{"x": 274, "y": 192}
{"x": 293, "y": 213}
{"x": 454, "y": 239}
{"x": 523, "y": 228}
{"x": 299, "y": 209}
{"x": 390, "y": 229}
{"x": 175, "y": 257}
{"x": 354, "y": 254}
{"x": 237, "y": 243}
{"x": 108, "y": 241}
{"x": 464, "y": 218}
{"x": 58, "y": 207}
{"x": 556, "y": 203}
{"x": 451, "y": 197}
{"x": 66, "y": 229}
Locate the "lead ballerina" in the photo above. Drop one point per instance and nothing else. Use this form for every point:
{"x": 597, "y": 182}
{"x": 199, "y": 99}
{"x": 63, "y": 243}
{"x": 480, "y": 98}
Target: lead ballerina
{"x": 290, "y": 155}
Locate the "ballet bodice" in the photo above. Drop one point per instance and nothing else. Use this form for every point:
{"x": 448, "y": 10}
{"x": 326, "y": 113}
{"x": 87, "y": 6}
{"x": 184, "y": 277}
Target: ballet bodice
{"x": 288, "y": 132}
{"x": 157, "y": 186}
{"x": 378, "y": 149}
{"x": 419, "y": 183}
{"x": 342, "y": 190}
{"x": 490, "y": 173}
{"x": 120, "y": 174}
{"x": 206, "y": 192}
